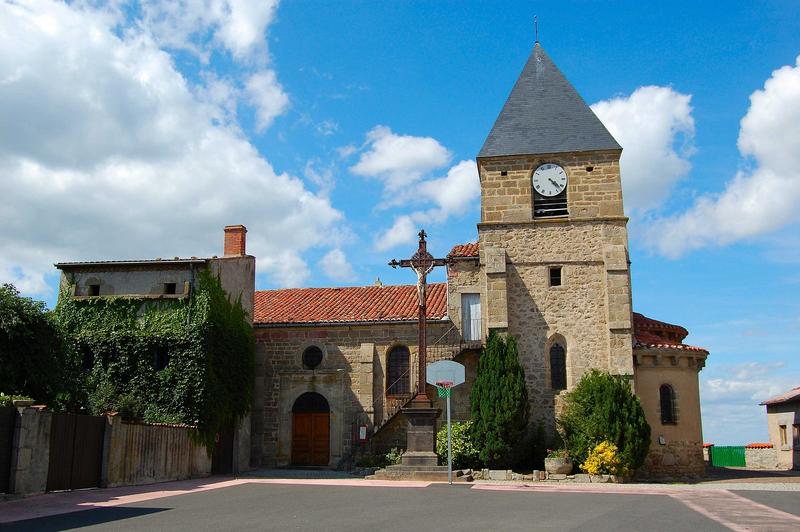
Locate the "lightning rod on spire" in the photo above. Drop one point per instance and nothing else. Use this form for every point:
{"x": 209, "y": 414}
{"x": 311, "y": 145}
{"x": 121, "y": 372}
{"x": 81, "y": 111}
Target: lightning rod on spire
{"x": 536, "y": 27}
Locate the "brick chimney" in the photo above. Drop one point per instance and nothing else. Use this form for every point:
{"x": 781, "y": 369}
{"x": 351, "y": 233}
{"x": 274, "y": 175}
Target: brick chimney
{"x": 235, "y": 240}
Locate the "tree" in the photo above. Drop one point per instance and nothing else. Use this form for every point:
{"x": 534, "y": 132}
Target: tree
{"x": 499, "y": 402}
{"x": 602, "y": 408}
{"x": 30, "y": 362}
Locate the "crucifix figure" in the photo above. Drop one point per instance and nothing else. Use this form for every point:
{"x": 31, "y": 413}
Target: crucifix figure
{"x": 422, "y": 263}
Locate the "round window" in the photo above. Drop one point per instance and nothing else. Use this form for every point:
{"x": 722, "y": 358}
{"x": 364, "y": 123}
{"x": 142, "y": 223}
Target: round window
{"x": 312, "y": 357}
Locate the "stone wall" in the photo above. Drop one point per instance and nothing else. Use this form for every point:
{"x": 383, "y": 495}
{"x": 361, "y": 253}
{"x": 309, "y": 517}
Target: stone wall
{"x": 676, "y": 449}
{"x": 30, "y": 453}
{"x": 139, "y": 453}
{"x": 761, "y": 458}
{"x": 675, "y": 459}
{"x": 590, "y": 194}
{"x": 352, "y": 377}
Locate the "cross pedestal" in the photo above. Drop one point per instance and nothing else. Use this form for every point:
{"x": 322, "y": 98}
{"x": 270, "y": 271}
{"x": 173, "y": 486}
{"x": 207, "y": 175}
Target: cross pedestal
{"x": 421, "y": 435}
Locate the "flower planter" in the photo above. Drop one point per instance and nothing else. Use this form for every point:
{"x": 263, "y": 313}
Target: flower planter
{"x": 558, "y": 466}
{"x": 20, "y": 403}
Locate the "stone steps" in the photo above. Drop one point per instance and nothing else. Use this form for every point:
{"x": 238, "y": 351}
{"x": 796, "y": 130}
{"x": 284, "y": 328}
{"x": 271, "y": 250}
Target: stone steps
{"x": 426, "y": 473}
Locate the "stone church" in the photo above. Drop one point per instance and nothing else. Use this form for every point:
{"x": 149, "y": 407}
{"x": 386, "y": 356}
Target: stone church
{"x": 550, "y": 267}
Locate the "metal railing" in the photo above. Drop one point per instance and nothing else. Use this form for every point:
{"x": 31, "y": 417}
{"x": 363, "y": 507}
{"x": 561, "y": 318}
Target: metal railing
{"x": 446, "y": 347}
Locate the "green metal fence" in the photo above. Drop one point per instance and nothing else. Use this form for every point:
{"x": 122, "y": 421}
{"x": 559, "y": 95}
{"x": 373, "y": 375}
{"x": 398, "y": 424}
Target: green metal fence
{"x": 727, "y": 456}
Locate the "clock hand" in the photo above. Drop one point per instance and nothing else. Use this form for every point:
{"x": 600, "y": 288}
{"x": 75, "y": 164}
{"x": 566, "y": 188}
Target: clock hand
{"x": 554, "y": 183}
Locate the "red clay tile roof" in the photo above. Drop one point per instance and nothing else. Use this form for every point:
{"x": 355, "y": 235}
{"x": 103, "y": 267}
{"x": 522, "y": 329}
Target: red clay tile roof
{"x": 758, "y": 446}
{"x": 347, "y": 305}
{"x": 464, "y": 250}
{"x": 786, "y": 397}
{"x": 648, "y": 332}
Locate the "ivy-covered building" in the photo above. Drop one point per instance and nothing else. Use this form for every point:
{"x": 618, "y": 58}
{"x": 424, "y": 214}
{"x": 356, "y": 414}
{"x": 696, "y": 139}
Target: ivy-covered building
{"x": 166, "y": 340}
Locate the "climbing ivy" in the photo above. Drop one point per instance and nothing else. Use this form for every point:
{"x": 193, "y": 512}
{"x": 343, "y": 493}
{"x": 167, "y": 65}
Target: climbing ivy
{"x": 161, "y": 360}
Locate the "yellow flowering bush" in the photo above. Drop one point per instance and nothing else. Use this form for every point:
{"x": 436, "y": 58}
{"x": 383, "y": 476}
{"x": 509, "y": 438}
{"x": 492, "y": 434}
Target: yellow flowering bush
{"x": 604, "y": 460}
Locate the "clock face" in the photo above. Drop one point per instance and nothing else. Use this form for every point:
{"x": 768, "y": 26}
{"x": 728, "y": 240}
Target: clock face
{"x": 549, "y": 180}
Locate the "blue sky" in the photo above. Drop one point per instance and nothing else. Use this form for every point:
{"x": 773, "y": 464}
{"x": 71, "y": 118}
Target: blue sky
{"x": 334, "y": 129}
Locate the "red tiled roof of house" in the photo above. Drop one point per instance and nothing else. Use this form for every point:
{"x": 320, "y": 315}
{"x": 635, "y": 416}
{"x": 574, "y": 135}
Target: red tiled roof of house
{"x": 786, "y": 397}
{"x": 650, "y": 333}
{"x": 356, "y": 304}
{"x": 464, "y": 250}
{"x": 758, "y": 446}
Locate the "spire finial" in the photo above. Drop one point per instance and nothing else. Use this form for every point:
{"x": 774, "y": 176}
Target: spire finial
{"x": 536, "y": 27}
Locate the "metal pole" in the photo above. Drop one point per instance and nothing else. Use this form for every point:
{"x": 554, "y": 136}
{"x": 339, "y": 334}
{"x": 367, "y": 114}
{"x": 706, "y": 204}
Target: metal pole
{"x": 449, "y": 443}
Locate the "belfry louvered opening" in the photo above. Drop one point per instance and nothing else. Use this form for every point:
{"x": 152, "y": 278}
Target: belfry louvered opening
{"x": 544, "y": 207}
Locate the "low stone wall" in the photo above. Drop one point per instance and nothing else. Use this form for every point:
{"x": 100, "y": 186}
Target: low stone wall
{"x": 674, "y": 460}
{"x": 761, "y": 457}
{"x": 137, "y": 454}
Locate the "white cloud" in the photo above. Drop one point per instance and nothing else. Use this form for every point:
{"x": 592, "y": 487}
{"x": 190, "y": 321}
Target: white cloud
{"x": 757, "y": 200}
{"x": 655, "y": 127}
{"x": 106, "y": 152}
{"x": 267, "y": 96}
{"x": 451, "y": 195}
{"x": 403, "y": 231}
{"x": 239, "y": 26}
{"x": 730, "y": 397}
{"x": 399, "y": 160}
{"x": 336, "y": 266}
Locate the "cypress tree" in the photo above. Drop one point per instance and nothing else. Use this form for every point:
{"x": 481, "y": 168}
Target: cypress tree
{"x": 499, "y": 402}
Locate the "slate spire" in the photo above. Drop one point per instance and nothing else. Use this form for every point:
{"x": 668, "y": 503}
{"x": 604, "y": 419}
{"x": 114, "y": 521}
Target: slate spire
{"x": 545, "y": 114}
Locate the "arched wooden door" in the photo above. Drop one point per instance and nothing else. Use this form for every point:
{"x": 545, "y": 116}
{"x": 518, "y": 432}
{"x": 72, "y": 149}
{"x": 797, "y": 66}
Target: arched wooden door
{"x": 311, "y": 421}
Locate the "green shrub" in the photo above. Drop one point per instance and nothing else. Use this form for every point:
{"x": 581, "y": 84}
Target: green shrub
{"x": 394, "y": 456}
{"x": 465, "y": 454}
{"x": 30, "y": 348}
{"x": 8, "y": 400}
{"x": 602, "y": 408}
{"x": 499, "y": 403}
{"x": 371, "y": 460}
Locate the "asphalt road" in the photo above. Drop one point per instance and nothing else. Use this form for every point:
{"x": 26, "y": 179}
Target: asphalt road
{"x": 437, "y": 507}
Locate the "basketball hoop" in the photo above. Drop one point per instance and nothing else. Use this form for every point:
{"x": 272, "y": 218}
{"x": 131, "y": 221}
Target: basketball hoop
{"x": 443, "y": 388}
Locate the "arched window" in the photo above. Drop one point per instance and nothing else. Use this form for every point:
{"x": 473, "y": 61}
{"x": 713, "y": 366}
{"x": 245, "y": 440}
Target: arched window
{"x": 312, "y": 357}
{"x": 398, "y": 376}
{"x": 558, "y": 367}
{"x": 667, "y": 396}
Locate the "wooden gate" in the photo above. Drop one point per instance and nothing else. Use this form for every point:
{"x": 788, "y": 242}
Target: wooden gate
{"x": 76, "y": 451}
{"x": 8, "y": 420}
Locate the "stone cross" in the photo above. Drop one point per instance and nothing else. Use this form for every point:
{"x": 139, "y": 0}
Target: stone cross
{"x": 422, "y": 263}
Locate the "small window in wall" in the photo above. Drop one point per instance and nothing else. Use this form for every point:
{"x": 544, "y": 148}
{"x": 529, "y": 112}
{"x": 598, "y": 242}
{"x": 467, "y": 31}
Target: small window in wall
{"x": 796, "y": 436}
{"x": 471, "y": 316}
{"x": 398, "y": 374}
{"x": 312, "y": 357}
{"x": 555, "y": 275}
{"x": 93, "y": 290}
{"x": 782, "y": 432}
{"x": 170, "y": 288}
{"x": 667, "y": 400}
{"x": 558, "y": 367}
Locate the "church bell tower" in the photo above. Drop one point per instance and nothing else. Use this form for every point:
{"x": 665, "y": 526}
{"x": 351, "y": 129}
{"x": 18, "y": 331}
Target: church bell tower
{"x": 553, "y": 237}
